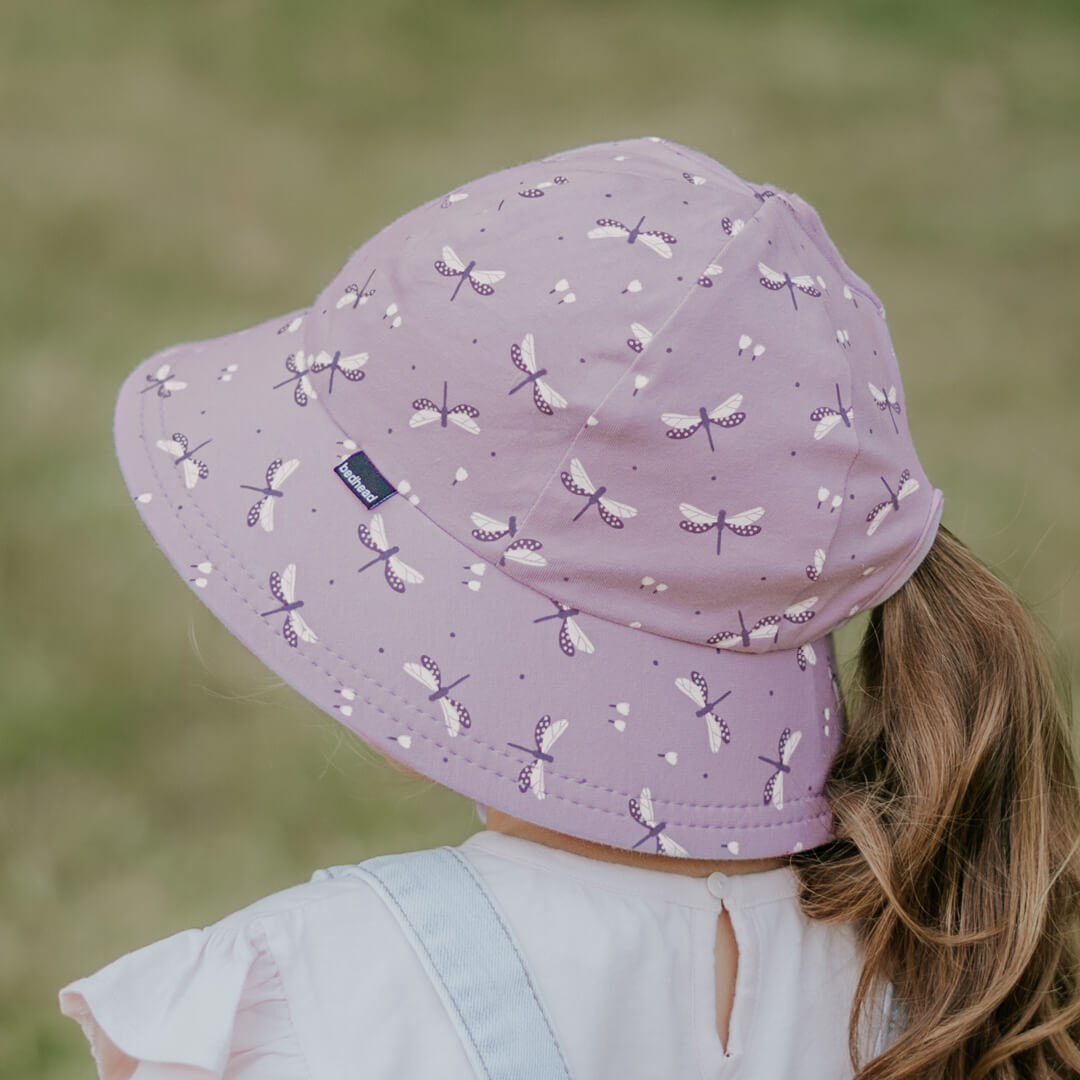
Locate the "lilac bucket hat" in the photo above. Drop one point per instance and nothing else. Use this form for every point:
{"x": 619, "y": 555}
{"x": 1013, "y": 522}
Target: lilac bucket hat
{"x": 556, "y": 492}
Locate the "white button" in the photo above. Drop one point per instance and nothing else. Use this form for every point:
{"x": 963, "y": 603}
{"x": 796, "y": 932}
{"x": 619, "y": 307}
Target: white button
{"x": 717, "y": 884}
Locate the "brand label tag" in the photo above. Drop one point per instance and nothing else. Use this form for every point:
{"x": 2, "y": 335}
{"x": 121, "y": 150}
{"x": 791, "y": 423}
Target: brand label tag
{"x": 364, "y": 480}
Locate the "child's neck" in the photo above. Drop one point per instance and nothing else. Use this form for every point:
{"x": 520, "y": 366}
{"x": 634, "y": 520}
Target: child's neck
{"x": 497, "y": 821}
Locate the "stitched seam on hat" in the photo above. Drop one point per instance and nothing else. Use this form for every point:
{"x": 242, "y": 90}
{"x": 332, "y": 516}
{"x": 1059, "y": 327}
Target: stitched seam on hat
{"x": 443, "y": 747}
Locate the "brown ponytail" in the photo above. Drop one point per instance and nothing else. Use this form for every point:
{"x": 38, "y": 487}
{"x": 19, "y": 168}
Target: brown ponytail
{"x": 957, "y": 850}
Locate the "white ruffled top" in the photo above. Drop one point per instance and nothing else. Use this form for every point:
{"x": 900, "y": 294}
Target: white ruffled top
{"x": 318, "y": 983}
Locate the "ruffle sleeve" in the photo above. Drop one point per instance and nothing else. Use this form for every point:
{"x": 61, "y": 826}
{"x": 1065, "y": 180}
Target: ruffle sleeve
{"x": 200, "y": 1005}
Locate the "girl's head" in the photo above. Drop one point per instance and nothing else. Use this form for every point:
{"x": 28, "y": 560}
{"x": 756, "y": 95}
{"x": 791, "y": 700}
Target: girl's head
{"x": 556, "y": 492}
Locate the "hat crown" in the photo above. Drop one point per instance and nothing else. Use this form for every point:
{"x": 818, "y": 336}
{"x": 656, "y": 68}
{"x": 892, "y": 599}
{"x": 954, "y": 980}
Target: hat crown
{"x": 641, "y": 386}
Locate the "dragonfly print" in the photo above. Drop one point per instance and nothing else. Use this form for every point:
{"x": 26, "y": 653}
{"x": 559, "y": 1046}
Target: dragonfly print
{"x": 303, "y": 390}
{"x": 572, "y": 638}
{"x": 612, "y": 512}
{"x": 350, "y": 367}
{"x": 481, "y": 280}
{"x": 163, "y": 381}
{"x": 427, "y": 411}
{"x": 774, "y": 786}
{"x": 522, "y": 549}
{"x": 886, "y": 402}
{"x": 544, "y": 735}
{"x": 641, "y": 810}
{"x": 262, "y": 510}
{"x": 397, "y": 574}
{"x": 697, "y": 690}
{"x": 193, "y": 469}
{"x": 777, "y": 280}
{"x": 701, "y": 521}
{"x": 682, "y": 425}
{"x": 654, "y": 239}
{"x": 283, "y": 587}
{"x": 827, "y": 417}
{"x": 356, "y": 294}
{"x": 455, "y": 715}
{"x": 540, "y": 189}
{"x": 524, "y": 358}
{"x": 905, "y": 486}
{"x": 765, "y": 628}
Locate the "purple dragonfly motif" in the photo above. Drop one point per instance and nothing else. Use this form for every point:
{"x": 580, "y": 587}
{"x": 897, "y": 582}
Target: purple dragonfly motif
{"x": 262, "y": 511}
{"x": 732, "y": 226}
{"x": 886, "y": 402}
{"x": 455, "y": 715}
{"x": 697, "y": 690}
{"x": 682, "y": 426}
{"x": 827, "y": 417}
{"x": 544, "y": 735}
{"x": 350, "y": 367}
{"x": 777, "y": 279}
{"x": 813, "y": 570}
{"x": 577, "y": 480}
{"x": 356, "y": 294}
{"x": 524, "y": 358}
{"x": 572, "y": 638}
{"x": 701, "y": 521}
{"x": 481, "y": 280}
{"x": 905, "y": 486}
{"x": 193, "y": 469}
{"x": 397, "y": 574}
{"x": 427, "y": 411}
{"x": 522, "y": 550}
{"x": 299, "y": 365}
{"x": 805, "y": 656}
{"x": 641, "y": 810}
{"x": 163, "y": 381}
{"x": 766, "y": 627}
{"x": 774, "y": 786}
{"x": 655, "y": 239}
{"x": 283, "y": 586}
{"x": 538, "y": 191}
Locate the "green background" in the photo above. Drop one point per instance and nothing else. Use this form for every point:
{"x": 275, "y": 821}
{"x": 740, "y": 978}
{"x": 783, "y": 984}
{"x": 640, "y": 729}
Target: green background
{"x": 173, "y": 171}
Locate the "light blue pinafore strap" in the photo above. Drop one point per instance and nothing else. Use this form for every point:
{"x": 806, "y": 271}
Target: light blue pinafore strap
{"x": 472, "y": 958}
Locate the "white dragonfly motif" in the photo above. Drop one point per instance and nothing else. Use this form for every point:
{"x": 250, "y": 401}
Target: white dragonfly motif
{"x": 642, "y": 336}
{"x": 813, "y": 570}
{"x": 455, "y": 715}
{"x": 427, "y": 410}
{"x": 163, "y": 382}
{"x": 655, "y": 239}
{"x": 544, "y": 735}
{"x": 299, "y": 364}
{"x": 697, "y": 690}
{"x": 545, "y": 398}
{"x": 450, "y": 265}
{"x": 827, "y": 417}
{"x": 886, "y": 401}
{"x": 283, "y": 587}
{"x": 774, "y": 786}
{"x": 262, "y": 511}
{"x": 700, "y": 521}
{"x": 577, "y": 480}
{"x": 724, "y": 415}
{"x": 193, "y": 469}
{"x": 522, "y": 550}
{"x": 777, "y": 280}
{"x": 397, "y": 574}
{"x": 572, "y": 638}
{"x": 906, "y": 486}
{"x": 641, "y": 810}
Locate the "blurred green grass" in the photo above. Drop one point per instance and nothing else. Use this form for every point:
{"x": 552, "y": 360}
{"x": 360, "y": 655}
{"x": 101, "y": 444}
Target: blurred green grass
{"x": 175, "y": 171}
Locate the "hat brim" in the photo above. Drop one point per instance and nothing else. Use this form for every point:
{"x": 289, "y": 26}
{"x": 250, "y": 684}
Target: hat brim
{"x": 451, "y": 665}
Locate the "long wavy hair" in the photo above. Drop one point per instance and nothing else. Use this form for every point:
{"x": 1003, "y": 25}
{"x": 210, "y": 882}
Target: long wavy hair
{"x": 957, "y": 850}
